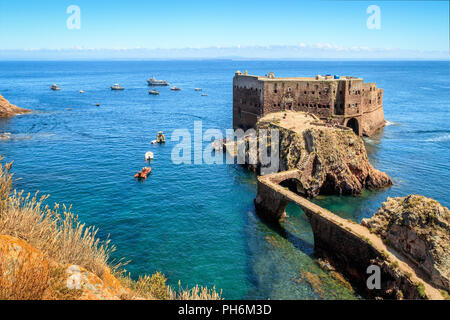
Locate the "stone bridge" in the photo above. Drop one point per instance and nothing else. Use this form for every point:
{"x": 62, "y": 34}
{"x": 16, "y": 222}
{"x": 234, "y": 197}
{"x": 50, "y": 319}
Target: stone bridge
{"x": 349, "y": 246}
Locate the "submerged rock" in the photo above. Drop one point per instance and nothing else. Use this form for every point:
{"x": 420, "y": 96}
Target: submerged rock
{"x": 8, "y": 110}
{"x": 419, "y": 228}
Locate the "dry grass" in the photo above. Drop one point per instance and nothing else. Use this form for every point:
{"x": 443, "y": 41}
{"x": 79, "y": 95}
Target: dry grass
{"x": 55, "y": 231}
{"x": 196, "y": 293}
{"x": 60, "y": 236}
{"x": 23, "y": 281}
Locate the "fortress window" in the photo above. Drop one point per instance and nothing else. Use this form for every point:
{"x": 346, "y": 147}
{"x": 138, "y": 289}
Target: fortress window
{"x": 340, "y": 91}
{"x": 275, "y": 91}
{"x": 319, "y": 93}
{"x": 304, "y": 92}
{"x": 289, "y": 89}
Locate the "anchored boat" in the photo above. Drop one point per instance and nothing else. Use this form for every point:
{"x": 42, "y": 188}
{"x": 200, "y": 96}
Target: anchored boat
{"x": 175, "y": 88}
{"x": 55, "y": 87}
{"x": 154, "y": 92}
{"x": 143, "y": 174}
{"x": 117, "y": 87}
{"x": 153, "y": 82}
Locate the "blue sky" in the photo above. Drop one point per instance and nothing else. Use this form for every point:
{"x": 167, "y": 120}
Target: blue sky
{"x": 406, "y": 26}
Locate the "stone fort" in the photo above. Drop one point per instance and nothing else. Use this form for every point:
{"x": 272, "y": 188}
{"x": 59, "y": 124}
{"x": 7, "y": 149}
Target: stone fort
{"x": 346, "y": 101}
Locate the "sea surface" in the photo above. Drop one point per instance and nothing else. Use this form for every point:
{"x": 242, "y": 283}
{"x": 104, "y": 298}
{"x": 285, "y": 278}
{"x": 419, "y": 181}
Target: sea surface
{"x": 196, "y": 223}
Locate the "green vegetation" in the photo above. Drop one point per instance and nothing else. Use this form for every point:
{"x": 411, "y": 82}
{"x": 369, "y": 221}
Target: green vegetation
{"x": 445, "y": 294}
{"x": 421, "y": 290}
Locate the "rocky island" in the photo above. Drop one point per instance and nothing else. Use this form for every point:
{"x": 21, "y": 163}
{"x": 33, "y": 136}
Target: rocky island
{"x": 8, "y": 110}
{"x": 330, "y": 159}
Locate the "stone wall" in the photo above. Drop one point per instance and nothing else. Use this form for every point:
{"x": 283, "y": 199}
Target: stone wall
{"x": 340, "y": 99}
{"x": 336, "y": 240}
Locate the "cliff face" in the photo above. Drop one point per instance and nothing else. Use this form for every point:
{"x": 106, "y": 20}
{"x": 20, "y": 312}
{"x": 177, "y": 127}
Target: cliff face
{"x": 8, "y": 110}
{"x": 419, "y": 228}
{"x": 332, "y": 160}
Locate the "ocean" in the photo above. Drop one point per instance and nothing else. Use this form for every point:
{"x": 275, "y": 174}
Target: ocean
{"x": 196, "y": 223}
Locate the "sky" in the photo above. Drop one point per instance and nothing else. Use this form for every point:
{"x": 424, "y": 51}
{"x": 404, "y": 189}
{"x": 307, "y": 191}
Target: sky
{"x": 196, "y": 28}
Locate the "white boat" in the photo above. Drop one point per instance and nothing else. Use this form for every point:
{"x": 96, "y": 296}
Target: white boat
{"x": 175, "y": 88}
{"x": 149, "y": 156}
{"x": 153, "y": 82}
{"x": 198, "y": 89}
{"x": 81, "y": 91}
{"x": 117, "y": 87}
{"x": 204, "y": 94}
{"x": 154, "y": 92}
{"x": 55, "y": 87}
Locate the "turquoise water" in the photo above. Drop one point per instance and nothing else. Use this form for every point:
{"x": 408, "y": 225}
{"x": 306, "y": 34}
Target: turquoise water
{"x": 196, "y": 223}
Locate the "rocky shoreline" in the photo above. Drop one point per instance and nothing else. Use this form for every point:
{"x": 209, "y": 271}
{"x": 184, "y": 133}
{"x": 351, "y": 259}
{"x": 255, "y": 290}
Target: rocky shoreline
{"x": 418, "y": 228}
{"x": 9, "y": 110}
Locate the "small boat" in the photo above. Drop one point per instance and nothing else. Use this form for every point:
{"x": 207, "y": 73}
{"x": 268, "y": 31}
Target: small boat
{"x": 175, "y": 88}
{"x": 69, "y": 109}
{"x": 143, "y": 174}
{"x": 198, "y": 89}
{"x": 154, "y": 92}
{"x": 160, "y": 138}
{"x": 153, "y": 82}
{"x": 81, "y": 91}
{"x": 154, "y": 141}
{"x": 117, "y": 87}
{"x": 97, "y": 104}
{"x": 204, "y": 94}
{"x": 55, "y": 87}
{"x": 149, "y": 156}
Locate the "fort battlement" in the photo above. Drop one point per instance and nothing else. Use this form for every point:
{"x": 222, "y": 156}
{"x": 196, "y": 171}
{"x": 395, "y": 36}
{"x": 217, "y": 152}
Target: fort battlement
{"x": 346, "y": 101}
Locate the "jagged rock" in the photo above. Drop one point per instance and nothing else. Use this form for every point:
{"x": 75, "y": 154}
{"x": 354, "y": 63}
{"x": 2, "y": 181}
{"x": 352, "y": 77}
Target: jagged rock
{"x": 333, "y": 160}
{"x": 8, "y": 110}
{"x": 419, "y": 228}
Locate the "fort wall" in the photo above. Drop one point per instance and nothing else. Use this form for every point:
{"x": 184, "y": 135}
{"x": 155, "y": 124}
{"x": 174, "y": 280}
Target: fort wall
{"x": 346, "y": 101}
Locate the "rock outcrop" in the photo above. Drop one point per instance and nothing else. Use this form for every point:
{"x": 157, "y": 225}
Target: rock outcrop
{"x": 419, "y": 228}
{"x": 333, "y": 160}
{"x": 27, "y": 273}
{"x": 8, "y": 110}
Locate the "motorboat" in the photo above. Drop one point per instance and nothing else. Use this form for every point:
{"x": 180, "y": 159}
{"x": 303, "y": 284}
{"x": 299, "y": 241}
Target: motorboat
{"x": 149, "y": 156}
{"x": 175, "y": 88}
{"x": 154, "y": 82}
{"x": 143, "y": 174}
{"x": 55, "y": 87}
{"x": 154, "y": 92}
{"x": 117, "y": 87}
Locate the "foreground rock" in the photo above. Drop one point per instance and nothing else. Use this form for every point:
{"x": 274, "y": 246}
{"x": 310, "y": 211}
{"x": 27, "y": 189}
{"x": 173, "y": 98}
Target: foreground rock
{"x": 333, "y": 160}
{"x": 26, "y": 273}
{"x": 419, "y": 228}
{"x": 8, "y": 110}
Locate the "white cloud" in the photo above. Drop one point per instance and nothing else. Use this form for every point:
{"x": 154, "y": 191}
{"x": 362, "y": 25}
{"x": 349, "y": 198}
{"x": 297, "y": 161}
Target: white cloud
{"x": 300, "y": 51}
